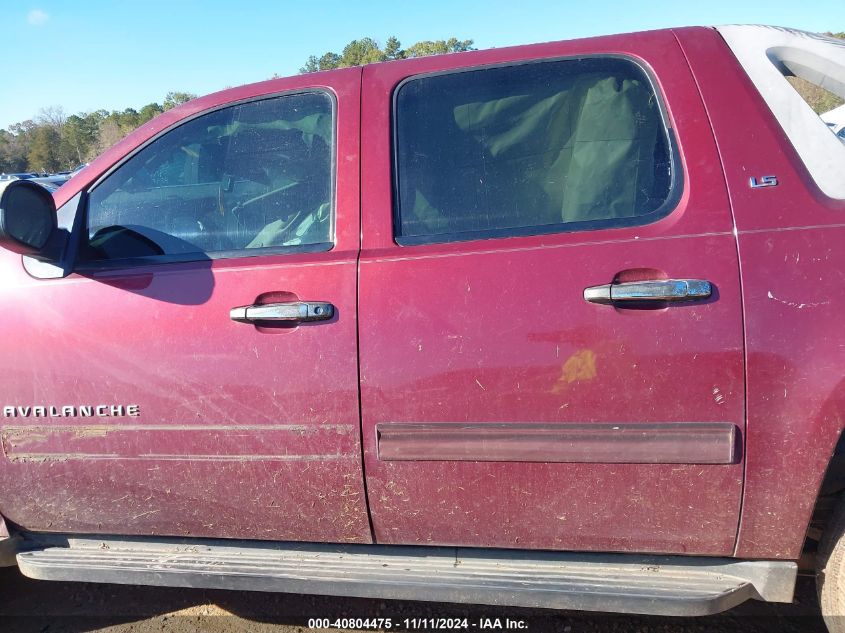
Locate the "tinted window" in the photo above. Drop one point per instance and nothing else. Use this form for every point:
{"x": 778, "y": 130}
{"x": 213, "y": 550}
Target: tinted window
{"x": 532, "y": 148}
{"x": 252, "y": 176}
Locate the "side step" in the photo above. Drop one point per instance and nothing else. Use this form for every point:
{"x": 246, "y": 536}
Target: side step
{"x": 666, "y": 585}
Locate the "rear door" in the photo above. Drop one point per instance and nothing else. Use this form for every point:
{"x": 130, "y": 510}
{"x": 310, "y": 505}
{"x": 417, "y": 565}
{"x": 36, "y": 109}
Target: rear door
{"x": 137, "y": 401}
{"x": 510, "y": 398}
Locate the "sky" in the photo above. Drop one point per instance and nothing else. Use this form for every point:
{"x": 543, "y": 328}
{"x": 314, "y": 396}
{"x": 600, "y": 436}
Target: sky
{"x": 93, "y": 54}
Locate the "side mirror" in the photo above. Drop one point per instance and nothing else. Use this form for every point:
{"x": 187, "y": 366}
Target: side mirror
{"x": 27, "y": 216}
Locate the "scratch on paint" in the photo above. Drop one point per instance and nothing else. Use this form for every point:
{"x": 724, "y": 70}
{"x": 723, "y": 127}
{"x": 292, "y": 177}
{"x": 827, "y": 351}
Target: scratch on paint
{"x": 143, "y": 514}
{"x": 93, "y": 431}
{"x": 794, "y": 304}
{"x": 480, "y": 385}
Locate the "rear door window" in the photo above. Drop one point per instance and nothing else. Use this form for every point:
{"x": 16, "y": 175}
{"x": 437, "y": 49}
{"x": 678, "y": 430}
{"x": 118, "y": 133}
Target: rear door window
{"x": 532, "y": 148}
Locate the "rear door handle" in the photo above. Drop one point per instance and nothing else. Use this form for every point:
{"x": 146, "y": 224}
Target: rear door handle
{"x": 294, "y": 311}
{"x": 657, "y": 290}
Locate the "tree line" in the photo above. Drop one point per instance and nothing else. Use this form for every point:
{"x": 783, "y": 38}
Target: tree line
{"x": 55, "y": 142}
{"x": 368, "y": 51}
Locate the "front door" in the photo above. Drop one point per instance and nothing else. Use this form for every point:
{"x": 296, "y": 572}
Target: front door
{"x": 512, "y": 393}
{"x": 140, "y": 402}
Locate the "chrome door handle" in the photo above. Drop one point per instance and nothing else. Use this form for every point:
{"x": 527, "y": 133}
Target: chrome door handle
{"x": 657, "y": 290}
{"x": 294, "y": 311}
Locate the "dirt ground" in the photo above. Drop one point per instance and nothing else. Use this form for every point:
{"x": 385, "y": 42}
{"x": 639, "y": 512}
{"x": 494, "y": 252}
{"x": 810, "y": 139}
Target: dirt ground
{"x": 28, "y": 606}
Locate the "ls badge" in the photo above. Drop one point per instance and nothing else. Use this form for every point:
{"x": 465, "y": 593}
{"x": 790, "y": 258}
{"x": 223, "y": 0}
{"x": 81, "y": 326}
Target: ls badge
{"x": 765, "y": 181}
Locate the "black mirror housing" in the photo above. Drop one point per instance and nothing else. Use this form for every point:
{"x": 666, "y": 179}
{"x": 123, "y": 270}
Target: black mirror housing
{"x": 27, "y": 216}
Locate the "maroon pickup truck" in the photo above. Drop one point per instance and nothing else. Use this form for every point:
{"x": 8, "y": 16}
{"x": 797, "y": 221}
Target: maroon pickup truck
{"x": 557, "y": 325}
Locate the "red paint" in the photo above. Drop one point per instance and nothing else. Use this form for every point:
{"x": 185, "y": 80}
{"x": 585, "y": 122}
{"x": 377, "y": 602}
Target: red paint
{"x": 252, "y": 432}
{"x": 498, "y": 331}
{"x": 790, "y": 241}
{"x": 209, "y": 389}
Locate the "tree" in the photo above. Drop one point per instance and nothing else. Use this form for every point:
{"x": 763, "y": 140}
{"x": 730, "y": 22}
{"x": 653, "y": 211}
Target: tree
{"x": 393, "y": 49}
{"x": 149, "y": 111}
{"x": 44, "y": 151}
{"x": 6, "y": 141}
{"x": 367, "y": 51}
{"x": 55, "y": 141}
{"x": 360, "y": 52}
{"x": 53, "y": 116}
{"x": 13, "y": 150}
{"x": 17, "y": 149}
{"x": 328, "y": 61}
{"x": 439, "y": 47}
{"x": 78, "y": 140}
{"x": 109, "y": 133}
{"x": 173, "y": 99}
{"x": 129, "y": 119}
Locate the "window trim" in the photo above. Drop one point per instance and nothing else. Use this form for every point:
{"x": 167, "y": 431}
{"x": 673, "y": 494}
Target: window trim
{"x": 676, "y": 179}
{"x": 175, "y": 258}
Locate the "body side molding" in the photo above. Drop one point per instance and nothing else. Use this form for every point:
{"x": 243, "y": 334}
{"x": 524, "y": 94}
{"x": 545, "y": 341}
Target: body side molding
{"x": 670, "y": 443}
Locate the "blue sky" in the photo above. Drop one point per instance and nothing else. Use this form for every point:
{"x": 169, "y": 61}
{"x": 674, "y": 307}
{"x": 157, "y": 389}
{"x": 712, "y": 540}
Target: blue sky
{"x": 104, "y": 54}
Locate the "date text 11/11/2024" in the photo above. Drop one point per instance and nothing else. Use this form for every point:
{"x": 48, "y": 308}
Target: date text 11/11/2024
{"x": 413, "y": 624}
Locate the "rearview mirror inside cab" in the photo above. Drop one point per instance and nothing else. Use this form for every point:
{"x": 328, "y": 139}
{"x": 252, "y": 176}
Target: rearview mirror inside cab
{"x": 27, "y": 216}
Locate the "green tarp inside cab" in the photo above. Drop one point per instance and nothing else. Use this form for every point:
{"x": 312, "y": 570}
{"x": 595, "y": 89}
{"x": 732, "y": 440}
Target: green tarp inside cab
{"x": 531, "y": 145}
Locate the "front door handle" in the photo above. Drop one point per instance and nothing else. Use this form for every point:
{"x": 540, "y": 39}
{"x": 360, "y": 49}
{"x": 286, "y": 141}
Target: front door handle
{"x": 294, "y": 311}
{"x": 656, "y": 290}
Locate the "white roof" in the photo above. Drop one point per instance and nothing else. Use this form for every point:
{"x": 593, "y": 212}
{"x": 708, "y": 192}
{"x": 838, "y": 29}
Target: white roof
{"x": 767, "y": 53}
